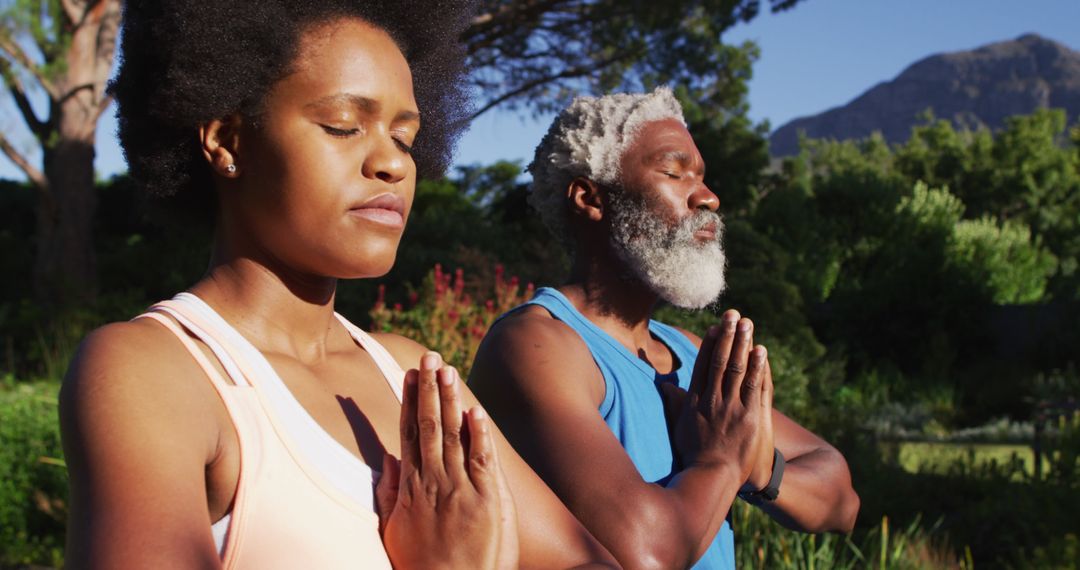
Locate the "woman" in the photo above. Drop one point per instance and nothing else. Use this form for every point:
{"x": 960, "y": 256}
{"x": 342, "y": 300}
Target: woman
{"x": 301, "y": 123}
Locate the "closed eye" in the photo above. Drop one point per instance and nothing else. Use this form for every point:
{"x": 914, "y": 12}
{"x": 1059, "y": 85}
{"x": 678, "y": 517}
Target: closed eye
{"x": 672, "y": 175}
{"x": 404, "y": 147}
{"x": 340, "y": 133}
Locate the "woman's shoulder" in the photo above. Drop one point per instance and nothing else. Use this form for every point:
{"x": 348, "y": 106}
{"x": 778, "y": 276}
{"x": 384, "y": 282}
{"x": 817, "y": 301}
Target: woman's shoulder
{"x": 132, "y": 375}
{"x": 124, "y": 349}
{"x": 406, "y": 351}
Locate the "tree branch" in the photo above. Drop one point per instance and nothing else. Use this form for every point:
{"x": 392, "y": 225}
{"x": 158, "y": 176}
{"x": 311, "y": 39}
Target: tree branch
{"x": 75, "y": 11}
{"x": 22, "y": 102}
{"x": 35, "y": 175}
{"x": 577, "y": 71}
{"x": 486, "y": 29}
{"x": 16, "y": 53}
{"x": 102, "y": 105}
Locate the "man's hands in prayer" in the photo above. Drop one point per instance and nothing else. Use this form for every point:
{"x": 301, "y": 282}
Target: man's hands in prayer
{"x": 726, "y": 417}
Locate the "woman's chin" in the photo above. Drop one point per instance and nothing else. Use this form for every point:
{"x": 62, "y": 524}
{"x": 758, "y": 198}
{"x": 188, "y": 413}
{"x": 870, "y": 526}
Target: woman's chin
{"x": 368, "y": 270}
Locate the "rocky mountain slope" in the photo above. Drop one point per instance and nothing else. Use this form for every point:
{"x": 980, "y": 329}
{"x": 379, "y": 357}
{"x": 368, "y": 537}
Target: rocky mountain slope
{"x": 973, "y": 88}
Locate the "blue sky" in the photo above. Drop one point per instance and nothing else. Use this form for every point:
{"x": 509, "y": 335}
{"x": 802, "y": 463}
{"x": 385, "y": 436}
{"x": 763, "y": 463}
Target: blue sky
{"x": 821, "y": 54}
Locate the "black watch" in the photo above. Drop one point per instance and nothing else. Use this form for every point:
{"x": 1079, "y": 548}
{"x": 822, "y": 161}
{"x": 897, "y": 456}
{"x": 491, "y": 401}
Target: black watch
{"x": 772, "y": 489}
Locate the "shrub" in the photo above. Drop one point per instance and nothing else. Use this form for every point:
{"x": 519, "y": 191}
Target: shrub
{"x": 445, "y": 318}
{"x": 33, "y": 481}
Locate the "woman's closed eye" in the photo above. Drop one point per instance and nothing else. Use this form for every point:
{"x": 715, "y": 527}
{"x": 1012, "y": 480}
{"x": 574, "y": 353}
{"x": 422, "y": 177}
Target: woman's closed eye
{"x": 340, "y": 133}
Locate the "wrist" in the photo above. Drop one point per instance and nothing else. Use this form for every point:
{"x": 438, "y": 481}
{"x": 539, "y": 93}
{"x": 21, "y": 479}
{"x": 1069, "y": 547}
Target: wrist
{"x": 771, "y": 490}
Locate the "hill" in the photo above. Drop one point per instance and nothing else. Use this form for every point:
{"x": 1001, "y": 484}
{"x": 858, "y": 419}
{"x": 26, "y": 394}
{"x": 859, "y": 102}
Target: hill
{"x": 976, "y": 88}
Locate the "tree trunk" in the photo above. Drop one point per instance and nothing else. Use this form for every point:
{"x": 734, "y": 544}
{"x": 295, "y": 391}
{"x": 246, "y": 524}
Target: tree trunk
{"x": 65, "y": 270}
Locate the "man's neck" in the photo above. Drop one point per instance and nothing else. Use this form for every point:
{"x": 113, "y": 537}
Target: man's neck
{"x": 610, "y": 296}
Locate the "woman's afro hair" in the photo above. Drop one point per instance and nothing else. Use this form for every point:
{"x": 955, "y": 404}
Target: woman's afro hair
{"x": 186, "y": 62}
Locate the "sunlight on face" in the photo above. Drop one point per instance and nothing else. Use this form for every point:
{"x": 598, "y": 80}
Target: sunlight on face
{"x": 330, "y": 180}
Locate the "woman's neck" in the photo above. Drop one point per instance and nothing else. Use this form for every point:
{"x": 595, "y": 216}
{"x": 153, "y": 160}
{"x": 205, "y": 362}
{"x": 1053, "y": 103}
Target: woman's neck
{"x": 276, "y": 308}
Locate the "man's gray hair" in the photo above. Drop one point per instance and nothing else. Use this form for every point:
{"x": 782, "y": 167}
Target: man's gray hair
{"x": 588, "y": 139}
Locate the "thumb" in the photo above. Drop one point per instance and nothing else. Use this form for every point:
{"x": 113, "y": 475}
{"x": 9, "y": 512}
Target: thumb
{"x": 386, "y": 490}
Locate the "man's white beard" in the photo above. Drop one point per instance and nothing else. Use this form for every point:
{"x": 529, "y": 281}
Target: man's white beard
{"x": 677, "y": 266}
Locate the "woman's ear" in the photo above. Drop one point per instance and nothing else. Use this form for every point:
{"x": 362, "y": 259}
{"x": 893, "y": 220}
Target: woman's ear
{"x": 586, "y": 198}
{"x": 220, "y": 142}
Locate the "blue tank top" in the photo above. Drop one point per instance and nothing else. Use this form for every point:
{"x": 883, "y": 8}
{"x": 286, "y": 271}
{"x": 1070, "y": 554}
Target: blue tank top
{"x": 632, "y": 405}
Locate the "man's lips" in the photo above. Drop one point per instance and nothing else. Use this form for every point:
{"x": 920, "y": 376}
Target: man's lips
{"x": 384, "y": 209}
{"x": 706, "y": 232}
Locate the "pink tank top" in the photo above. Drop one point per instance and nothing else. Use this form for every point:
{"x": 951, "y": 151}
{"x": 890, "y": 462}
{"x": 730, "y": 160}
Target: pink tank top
{"x": 302, "y": 499}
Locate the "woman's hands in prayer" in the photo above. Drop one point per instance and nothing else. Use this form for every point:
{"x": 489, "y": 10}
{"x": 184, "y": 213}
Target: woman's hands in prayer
{"x": 446, "y": 504}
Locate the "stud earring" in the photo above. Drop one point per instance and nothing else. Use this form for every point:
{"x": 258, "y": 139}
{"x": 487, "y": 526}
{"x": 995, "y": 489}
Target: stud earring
{"x": 231, "y": 169}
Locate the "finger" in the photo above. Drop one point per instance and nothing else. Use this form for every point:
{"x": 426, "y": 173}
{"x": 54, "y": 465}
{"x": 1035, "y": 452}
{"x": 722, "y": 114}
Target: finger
{"x": 482, "y": 465}
{"x": 767, "y": 390}
{"x": 754, "y": 380}
{"x": 386, "y": 490}
{"x": 428, "y": 416}
{"x": 718, "y": 362}
{"x": 410, "y": 435}
{"x": 450, "y": 397}
{"x": 699, "y": 377}
{"x": 735, "y": 371}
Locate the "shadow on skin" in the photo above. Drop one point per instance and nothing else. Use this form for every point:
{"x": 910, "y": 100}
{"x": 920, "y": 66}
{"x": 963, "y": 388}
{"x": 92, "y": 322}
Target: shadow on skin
{"x": 371, "y": 448}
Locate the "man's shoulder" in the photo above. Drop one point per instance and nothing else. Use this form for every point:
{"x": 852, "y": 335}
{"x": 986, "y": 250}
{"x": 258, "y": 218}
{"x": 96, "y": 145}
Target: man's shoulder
{"x": 531, "y": 349}
{"x": 533, "y": 324}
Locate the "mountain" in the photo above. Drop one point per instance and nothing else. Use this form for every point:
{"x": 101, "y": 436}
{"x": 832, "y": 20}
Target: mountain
{"x": 973, "y": 88}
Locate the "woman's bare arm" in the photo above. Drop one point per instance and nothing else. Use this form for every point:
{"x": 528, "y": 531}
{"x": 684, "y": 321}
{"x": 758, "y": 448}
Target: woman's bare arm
{"x": 137, "y": 443}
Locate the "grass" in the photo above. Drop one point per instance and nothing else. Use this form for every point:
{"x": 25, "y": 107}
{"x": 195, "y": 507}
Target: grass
{"x": 935, "y": 457}
{"x": 33, "y": 481}
{"x": 762, "y": 544}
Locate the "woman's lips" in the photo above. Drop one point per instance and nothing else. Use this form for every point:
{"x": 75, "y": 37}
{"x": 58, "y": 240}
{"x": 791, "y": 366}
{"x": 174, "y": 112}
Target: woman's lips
{"x": 384, "y": 209}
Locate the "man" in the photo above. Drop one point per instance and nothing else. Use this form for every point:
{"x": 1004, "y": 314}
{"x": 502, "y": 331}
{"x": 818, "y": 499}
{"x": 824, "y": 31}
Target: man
{"x": 578, "y": 378}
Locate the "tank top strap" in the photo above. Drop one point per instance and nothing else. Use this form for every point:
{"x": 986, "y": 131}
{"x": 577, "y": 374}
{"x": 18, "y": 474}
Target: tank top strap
{"x": 235, "y": 367}
{"x": 391, "y": 370}
{"x": 219, "y": 382}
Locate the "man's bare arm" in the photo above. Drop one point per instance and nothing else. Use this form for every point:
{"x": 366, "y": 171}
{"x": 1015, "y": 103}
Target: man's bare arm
{"x": 538, "y": 380}
{"x": 816, "y": 493}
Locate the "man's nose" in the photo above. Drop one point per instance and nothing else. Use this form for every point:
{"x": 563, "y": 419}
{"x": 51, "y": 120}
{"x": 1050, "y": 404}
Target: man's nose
{"x": 703, "y": 198}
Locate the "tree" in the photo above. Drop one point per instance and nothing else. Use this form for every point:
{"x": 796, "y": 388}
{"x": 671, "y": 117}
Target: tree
{"x": 524, "y": 54}
{"x": 537, "y": 54}
{"x": 74, "y": 41}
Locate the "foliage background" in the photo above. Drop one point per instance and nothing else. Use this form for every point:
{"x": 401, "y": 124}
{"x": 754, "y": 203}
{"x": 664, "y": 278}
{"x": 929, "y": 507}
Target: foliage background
{"x": 926, "y": 291}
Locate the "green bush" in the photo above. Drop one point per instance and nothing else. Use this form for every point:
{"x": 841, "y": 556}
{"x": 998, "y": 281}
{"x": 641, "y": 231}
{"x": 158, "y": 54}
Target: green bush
{"x": 33, "y": 480}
